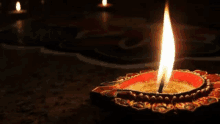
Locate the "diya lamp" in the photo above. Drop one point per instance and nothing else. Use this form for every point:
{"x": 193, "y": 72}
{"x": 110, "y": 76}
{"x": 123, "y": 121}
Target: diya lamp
{"x": 104, "y": 14}
{"x": 19, "y": 13}
{"x": 164, "y": 90}
{"x": 18, "y": 9}
{"x": 105, "y": 6}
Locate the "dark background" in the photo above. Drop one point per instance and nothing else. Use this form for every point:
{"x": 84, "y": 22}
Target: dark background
{"x": 204, "y": 12}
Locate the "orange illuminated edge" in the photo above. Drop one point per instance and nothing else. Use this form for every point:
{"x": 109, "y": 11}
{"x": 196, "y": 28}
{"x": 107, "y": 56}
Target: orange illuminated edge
{"x": 108, "y": 5}
{"x": 192, "y": 101}
{"x": 17, "y": 12}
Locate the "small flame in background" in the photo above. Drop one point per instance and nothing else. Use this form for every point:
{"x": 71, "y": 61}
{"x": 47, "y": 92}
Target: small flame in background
{"x": 42, "y": 1}
{"x": 18, "y": 6}
{"x": 168, "y": 50}
{"x": 104, "y": 2}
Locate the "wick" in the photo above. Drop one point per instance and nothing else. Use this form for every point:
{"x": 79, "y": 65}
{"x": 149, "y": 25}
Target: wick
{"x": 160, "y": 90}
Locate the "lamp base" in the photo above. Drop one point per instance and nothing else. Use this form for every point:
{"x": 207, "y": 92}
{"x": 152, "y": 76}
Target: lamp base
{"x": 22, "y": 14}
{"x": 117, "y": 93}
{"x": 107, "y": 8}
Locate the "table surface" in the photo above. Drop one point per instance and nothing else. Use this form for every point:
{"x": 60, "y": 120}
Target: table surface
{"x": 42, "y": 85}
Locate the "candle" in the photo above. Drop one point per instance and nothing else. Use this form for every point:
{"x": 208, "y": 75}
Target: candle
{"x": 104, "y": 4}
{"x": 18, "y": 9}
{"x": 164, "y": 90}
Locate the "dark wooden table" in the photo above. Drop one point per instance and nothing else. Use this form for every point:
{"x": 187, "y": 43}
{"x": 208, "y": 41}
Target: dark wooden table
{"x": 48, "y": 88}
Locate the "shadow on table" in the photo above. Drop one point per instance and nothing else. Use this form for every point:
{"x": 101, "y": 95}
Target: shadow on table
{"x": 91, "y": 114}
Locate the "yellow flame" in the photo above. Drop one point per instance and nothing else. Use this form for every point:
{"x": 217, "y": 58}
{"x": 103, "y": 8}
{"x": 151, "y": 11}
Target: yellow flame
{"x": 104, "y": 2}
{"x": 18, "y": 6}
{"x": 168, "y": 50}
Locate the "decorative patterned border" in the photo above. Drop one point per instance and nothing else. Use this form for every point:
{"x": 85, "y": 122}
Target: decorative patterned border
{"x": 204, "y": 96}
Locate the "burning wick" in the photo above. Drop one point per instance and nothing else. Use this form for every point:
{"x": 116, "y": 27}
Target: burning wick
{"x": 160, "y": 90}
{"x": 167, "y": 52}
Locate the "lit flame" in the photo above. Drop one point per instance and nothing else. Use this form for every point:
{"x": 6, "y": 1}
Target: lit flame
{"x": 168, "y": 50}
{"x": 18, "y": 6}
{"x": 104, "y": 2}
